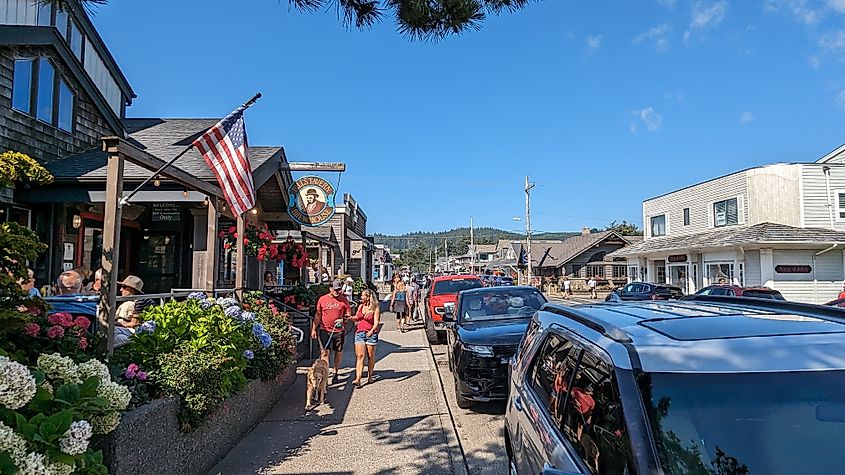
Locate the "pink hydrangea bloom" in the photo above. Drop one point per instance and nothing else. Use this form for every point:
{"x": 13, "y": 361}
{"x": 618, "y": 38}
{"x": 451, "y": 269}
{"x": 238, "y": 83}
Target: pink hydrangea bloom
{"x": 32, "y": 329}
{"x": 62, "y": 318}
{"x": 131, "y": 371}
{"x": 83, "y": 343}
{"x": 82, "y": 322}
{"x": 55, "y": 332}
{"x": 142, "y": 375}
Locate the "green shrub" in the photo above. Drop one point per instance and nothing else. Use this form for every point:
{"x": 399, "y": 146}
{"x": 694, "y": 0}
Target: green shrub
{"x": 268, "y": 362}
{"x": 202, "y": 378}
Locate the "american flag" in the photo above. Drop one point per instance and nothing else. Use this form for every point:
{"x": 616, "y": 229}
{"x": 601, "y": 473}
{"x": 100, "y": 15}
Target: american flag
{"x": 224, "y": 148}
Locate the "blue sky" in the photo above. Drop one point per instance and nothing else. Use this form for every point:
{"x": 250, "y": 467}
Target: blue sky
{"x": 601, "y": 103}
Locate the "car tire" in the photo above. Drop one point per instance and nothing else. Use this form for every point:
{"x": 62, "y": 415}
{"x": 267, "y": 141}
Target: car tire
{"x": 430, "y": 331}
{"x": 463, "y": 402}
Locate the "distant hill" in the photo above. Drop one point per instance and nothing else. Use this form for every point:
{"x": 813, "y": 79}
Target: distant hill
{"x": 459, "y": 236}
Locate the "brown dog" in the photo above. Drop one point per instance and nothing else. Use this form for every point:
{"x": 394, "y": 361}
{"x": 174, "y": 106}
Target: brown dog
{"x": 318, "y": 379}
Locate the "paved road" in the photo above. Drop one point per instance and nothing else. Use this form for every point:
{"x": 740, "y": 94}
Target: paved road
{"x": 398, "y": 425}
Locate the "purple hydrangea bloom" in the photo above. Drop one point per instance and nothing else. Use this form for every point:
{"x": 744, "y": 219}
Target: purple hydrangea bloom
{"x": 247, "y": 316}
{"x": 147, "y": 327}
{"x": 265, "y": 339}
{"x": 227, "y": 302}
{"x": 248, "y": 354}
{"x": 258, "y": 329}
{"x": 207, "y": 304}
{"x": 196, "y": 296}
{"x": 233, "y": 312}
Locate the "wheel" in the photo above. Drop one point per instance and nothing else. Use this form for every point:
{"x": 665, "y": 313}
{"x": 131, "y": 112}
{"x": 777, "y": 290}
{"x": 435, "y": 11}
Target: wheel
{"x": 430, "y": 331}
{"x": 463, "y": 402}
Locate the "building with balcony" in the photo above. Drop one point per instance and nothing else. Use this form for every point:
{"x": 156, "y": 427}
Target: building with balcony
{"x": 781, "y": 226}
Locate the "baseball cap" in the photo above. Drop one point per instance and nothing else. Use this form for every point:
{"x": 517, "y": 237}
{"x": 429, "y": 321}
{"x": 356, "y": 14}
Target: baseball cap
{"x": 337, "y": 284}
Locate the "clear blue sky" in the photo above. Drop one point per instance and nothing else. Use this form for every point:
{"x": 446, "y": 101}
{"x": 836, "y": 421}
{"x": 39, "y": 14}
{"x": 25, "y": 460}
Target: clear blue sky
{"x": 602, "y": 103}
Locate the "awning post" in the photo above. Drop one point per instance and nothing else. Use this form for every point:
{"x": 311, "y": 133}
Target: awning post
{"x": 111, "y": 244}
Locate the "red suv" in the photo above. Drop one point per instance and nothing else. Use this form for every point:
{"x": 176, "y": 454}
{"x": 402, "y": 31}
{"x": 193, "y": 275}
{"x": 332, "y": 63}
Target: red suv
{"x": 735, "y": 290}
{"x": 443, "y": 293}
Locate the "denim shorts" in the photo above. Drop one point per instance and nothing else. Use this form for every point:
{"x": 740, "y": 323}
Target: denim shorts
{"x": 361, "y": 337}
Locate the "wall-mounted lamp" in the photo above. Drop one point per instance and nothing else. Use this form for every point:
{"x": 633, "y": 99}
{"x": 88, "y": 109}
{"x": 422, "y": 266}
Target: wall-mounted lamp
{"x": 254, "y": 210}
{"x": 156, "y": 182}
{"x": 77, "y": 221}
{"x": 185, "y": 193}
{"x": 205, "y": 202}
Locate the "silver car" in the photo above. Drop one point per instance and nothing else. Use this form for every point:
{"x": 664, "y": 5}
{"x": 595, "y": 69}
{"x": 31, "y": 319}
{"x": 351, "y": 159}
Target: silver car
{"x": 711, "y": 385}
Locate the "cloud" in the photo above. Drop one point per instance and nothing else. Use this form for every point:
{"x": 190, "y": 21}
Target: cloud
{"x": 658, "y": 34}
{"x": 651, "y": 120}
{"x": 746, "y": 118}
{"x": 840, "y": 98}
{"x": 837, "y": 5}
{"x": 670, "y": 4}
{"x": 833, "y": 41}
{"x": 676, "y": 95}
{"x": 594, "y": 43}
{"x": 798, "y": 9}
{"x": 706, "y": 15}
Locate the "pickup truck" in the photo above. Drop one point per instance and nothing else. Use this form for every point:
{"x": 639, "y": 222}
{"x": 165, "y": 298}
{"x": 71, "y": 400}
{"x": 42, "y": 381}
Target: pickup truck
{"x": 442, "y": 294}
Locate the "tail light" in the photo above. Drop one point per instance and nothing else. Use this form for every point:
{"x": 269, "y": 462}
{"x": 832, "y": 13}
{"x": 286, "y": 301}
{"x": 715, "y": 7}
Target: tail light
{"x": 655, "y": 297}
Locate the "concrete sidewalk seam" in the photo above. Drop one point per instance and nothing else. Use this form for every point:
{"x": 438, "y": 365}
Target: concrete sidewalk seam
{"x": 447, "y": 421}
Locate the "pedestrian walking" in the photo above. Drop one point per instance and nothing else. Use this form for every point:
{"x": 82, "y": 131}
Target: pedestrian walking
{"x": 567, "y": 288}
{"x": 332, "y": 311}
{"x": 349, "y": 288}
{"x": 413, "y": 299}
{"x": 368, "y": 325}
{"x": 592, "y": 285}
{"x": 398, "y": 304}
{"x": 842, "y": 292}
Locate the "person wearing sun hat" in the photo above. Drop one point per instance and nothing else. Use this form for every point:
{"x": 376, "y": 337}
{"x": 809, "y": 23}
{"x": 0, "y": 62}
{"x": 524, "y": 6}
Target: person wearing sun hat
{"x": 127, "y": 312}
{"x": 349, "y": 288}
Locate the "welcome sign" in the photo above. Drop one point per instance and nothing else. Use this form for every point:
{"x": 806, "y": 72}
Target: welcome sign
{"x": 311, "y": 201}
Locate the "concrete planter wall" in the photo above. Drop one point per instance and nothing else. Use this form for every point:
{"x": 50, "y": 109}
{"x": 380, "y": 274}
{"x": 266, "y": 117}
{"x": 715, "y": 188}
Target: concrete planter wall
{"x": 148, "y": 439}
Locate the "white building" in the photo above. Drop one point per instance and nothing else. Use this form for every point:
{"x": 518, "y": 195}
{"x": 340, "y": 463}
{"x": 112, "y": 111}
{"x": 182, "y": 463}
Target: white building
{"x": 781, "y": 226}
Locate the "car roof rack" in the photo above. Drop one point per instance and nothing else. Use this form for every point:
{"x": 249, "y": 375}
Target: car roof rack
{"x": 814, "y": 310}
{"x": 607, "y": 329}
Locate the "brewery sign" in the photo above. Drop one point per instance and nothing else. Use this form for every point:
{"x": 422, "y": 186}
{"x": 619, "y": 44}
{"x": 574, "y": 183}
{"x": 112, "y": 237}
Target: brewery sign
{"x": 311, "y": 201}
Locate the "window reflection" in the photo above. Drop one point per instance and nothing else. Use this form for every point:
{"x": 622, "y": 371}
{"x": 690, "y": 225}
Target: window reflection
{"x": 44, "y": 109}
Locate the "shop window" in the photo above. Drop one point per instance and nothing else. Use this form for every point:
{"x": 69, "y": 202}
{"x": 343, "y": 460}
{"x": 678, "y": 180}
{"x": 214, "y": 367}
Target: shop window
{"x": 44, "y": 101}
{"x": 725, "y": 213}
{"x": 22, "y": 85}
{"x": 661, "y": 274}
{"x": 595, "y": 271}
{"x": 45, "y": 14}
{"x": 75, "y": 40}
{"x": 619, "y": 272}
{"x": 720, "y": 273}
{"x": 658, "y": 225}
{"x": 62, "y": 21}
{"x": 686, "y": 216}
{"x": 840, "y": 205}
{"x": 632, "y": 272}
{"x": 65, "y": 116}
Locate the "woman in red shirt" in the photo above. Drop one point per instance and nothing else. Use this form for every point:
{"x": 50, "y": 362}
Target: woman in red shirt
{"x": 368, "y": 320}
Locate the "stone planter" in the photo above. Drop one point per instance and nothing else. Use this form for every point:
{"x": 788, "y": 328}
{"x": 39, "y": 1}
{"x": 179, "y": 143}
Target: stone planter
{"x": 148, "y": 439}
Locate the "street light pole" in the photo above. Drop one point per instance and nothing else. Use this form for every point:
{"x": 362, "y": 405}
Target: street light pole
{"x": 528, "y": 187}
{"x": 471, "y": 247}
{"x": 446, "y": 246}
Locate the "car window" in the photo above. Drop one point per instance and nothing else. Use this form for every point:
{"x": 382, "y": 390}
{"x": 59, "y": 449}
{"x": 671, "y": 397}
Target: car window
{"x": 629, "y": 288}
{"x": 454, "y": 286}
{"x": 705, "y": 291}
{"x": 593, "y": 422}
{"x": 551, "y": 373}
{"x": 500, "y": 304}
{"x": 643, "y": 288}
{"x": 718, "y": 291}
{"x": 763, "y": 294}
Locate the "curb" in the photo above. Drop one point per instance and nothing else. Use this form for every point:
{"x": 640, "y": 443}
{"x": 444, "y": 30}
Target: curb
{"x": 447, "y": 422}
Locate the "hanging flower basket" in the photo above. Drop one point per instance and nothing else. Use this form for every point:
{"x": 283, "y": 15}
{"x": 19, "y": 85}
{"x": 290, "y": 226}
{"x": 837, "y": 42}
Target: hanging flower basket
{"x": 293, "y": 254}
{"x": 258, "y": 242}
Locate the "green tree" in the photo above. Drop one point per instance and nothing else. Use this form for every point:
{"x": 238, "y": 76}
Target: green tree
{"x": 428, "y": 20}
{"x": 625, "y": 228}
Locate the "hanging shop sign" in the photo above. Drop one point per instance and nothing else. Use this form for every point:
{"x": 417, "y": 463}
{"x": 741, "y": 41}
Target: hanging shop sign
{"x": 311, "y": 201}
{"x": 356, "y": 249}
{"x": 166, "y": 212}
{"x": 678, "y": 258}
{"x": 793, "y": 269}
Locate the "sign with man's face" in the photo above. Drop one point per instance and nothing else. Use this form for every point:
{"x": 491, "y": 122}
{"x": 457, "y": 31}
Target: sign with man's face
{"x": 311, "y": 201}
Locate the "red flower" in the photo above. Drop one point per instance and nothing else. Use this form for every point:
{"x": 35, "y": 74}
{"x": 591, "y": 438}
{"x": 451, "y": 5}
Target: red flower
{"x": 246, "y": 241}
{"x": 83, "y": 343}
{"x": 221, "y": 234}
{"x": 232, "y": 229}
{"x": 226, "y": 245}
{"x": 82, "y": 322}
{"x": 55, "y": 332}
{"x": 32, "y": 329}
{"x": 61, "y": 318}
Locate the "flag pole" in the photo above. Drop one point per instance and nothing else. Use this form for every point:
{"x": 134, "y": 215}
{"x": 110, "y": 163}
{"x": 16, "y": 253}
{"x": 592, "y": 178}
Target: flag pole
{"x": 239, "y": 258}
{"x": 125, "y": 200}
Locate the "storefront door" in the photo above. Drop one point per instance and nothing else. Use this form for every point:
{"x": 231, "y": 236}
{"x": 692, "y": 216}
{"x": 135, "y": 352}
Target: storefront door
{"x": 159, "y": 264}
{"x": 678, "y": 276}
{"x": 720, "y": 273}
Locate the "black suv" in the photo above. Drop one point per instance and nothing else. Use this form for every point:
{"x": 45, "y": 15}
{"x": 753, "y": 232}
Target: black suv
{"x": 708, "y": 385}
{"x": 645, "y": 291}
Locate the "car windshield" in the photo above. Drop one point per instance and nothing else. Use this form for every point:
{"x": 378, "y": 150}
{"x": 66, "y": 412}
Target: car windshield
{"x": 763, "y": 294}
{"x": 750, "y": 423}
{"x": 454, "y": 286}
{"x": 511, "y": 303}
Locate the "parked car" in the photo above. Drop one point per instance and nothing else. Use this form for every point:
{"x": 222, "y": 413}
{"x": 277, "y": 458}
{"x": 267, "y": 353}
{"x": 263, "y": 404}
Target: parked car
{"x": 645, "y": 291}
{"x": 482, "y": 336}
{"x": 442, "y": 294}
{"x": 735, "y": 290}
{"x": 705, "y": 385}
{"x": 506, "y": 280}
{"x": 836, "y": 303}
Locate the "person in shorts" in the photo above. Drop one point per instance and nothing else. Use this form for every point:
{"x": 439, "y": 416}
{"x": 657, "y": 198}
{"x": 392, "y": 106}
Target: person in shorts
{"x": 413, "y": 295}
{"x": 368, "y": 318}
{"x": 398, "y": 303}
{"x": 332, "y": 311}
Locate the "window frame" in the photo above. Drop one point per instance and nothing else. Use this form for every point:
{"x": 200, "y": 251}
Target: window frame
{"x": 40, "y": 62}
{"x": 57, "y": 79}
{"x": 33, "y": 83}
{"x": 839, "y": 209}
{"x": 686, "y": 217}
{"x": 58, "y": 111}
{"x": 735, "y": 199}
{"x": 651, "y": 225}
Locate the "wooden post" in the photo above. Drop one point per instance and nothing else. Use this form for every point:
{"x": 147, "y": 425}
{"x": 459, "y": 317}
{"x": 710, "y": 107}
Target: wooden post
{"x": 211, "y": 246}
{"x": 239, "y": 262}
{"x": 111, "y": 243}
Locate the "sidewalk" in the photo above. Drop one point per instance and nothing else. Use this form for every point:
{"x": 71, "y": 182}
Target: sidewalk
{"x": 397, "y": 425}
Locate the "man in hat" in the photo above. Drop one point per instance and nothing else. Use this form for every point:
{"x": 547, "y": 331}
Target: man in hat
{"x": 332, "y": 311}
{"x": 312, "y": 204}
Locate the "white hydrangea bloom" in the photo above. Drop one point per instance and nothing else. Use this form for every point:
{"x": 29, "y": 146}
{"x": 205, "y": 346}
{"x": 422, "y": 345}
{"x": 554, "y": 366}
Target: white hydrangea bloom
{"x": 11, "y": 442}
{"x": 32, "y": 464}
{"x": 117, "y": 395}
{"x": 56, "y": 366}
{"x": 46, "y": 385}
{"x": 55, "y": 468}
{"x": 75, "y": 440}
{"x": 94, "y": 368}
{"x": 17, "y": 386}
{"x": 105, "y": 424}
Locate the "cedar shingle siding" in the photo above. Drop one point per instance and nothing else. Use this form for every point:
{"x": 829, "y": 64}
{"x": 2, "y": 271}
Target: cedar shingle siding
{"x": 23, "y": 133}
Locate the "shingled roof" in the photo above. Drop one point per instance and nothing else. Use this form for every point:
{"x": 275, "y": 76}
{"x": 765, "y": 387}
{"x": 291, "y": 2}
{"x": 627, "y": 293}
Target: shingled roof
{"x": 760, "y": 234}
{"x": 561, "y": 253}
{"x": 163, "y": 138}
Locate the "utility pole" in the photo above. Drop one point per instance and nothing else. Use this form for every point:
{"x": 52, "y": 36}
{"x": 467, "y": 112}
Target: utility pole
{"x": 471, "y": 246}
{"x": 528, "y": 187}
{"x": 430, "y": 261}
{"x": 446, "y": 246}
